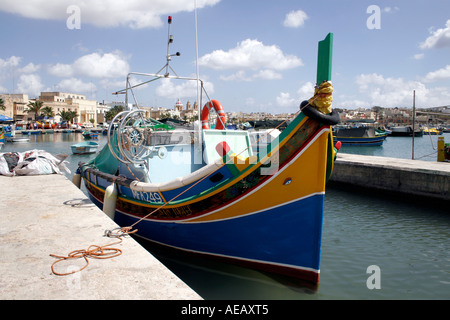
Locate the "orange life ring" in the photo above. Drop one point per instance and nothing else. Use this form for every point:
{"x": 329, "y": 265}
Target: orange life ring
{"x": 220, "y": 115}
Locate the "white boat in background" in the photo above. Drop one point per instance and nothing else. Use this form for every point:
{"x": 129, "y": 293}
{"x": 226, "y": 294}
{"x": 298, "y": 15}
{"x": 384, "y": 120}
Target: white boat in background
{"x": 405, "y": 131}
{"x": 85, "y": 147}
{"x": 17, "y": 139}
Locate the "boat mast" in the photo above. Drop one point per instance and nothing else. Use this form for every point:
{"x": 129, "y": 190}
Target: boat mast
{"x": 169, "y": 56}
{"x": 198, "y": 75}
{"x": 169, "y": 41}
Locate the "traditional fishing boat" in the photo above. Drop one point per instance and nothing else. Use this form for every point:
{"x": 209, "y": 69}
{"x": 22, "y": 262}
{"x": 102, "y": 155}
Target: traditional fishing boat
{"x": 87, "y": 134}
{"x": 406, "y": 131}
{"x": 85, "y": 147}
{"x": 361, "y": 135}
{"x": 208, "y": 192}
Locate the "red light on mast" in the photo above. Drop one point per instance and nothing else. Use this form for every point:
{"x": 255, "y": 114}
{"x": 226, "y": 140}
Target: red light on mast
{"x": 170, "y": 19}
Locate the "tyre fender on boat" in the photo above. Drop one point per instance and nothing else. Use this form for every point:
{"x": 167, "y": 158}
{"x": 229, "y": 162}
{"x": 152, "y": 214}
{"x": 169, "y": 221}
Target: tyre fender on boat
{"x": 328, "y": 119}
{"x": 220, "y": 124}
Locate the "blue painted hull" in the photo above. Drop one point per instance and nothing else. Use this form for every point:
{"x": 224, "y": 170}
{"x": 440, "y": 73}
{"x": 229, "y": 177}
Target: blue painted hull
{"x": 361, "y": 141}
{"x": 262, "y": 239}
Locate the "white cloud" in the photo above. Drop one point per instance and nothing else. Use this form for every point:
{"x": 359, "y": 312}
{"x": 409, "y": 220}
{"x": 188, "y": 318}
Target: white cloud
{"x": 238, "y": 76}
{"x": 305, "y": 92}
{"x": 262, "y": 74}
{"x": 94, "y": 65}
{"x": 438, "y": 39}
{"x": 30, "y": 68}
{"x": 441, "y": 74}
{"x": 76, "y": 85}
{"x": 12, "y": 61}
{"x": 419, "y": 56}
{"x": 284, "y": 99}
{"x": 60, "y": 70}
{"x": 267, "y": 74}
{"x": 112, "y": 84}
{"x": 295, "y": 19}
{"x": 30, "y": 84}
{"x": 185, "y": 89}
{"x": 250, "y": 54}
{"x": 388, "y": 92}
{"x": 108, "y": 65}
{"x": 105, "y": 13}
{"x": 396, "y": 92}
{"x": 391, "y": 10}
{"x": 7, "y": 69}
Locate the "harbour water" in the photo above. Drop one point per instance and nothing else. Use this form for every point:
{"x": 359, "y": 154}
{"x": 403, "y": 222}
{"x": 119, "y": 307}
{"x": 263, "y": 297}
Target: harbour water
{"x": 408, "y": 241}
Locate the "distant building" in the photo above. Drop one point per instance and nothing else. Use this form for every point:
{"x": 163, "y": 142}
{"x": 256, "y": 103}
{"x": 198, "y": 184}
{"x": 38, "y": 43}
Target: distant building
{"x": 63, "y": 101}
{"x": 178, "y": 106}
{"x": 15, "y": 106}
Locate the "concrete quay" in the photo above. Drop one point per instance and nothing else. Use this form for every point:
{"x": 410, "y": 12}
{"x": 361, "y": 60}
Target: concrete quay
{"x": 47, "y": 214}
{"x": 412, "y": 177}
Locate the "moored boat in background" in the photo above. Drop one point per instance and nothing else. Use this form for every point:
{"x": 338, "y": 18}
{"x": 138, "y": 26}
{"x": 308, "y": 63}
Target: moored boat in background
{"x": 85, "y": 147}
{"x": 361, "y": 135}
{"x": 431, "y": 131}
{"x": 405, "y": 131}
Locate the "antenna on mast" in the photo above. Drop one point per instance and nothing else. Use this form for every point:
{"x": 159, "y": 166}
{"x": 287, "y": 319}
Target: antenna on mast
{"x": 169, "y": 56}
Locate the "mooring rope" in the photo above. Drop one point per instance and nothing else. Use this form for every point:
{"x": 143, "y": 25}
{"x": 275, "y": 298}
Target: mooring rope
{"x": 93, "y": 251}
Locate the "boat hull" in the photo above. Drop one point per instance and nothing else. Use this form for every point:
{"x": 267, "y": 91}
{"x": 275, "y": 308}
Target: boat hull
{"x": 361, "y": 141}
{"x": 405, "y": 131}
{"x": 358, "y": 136}
{"x": 285, "y": 239}
{"x": 270, "y": 222}
{"x": 84, "y": 148}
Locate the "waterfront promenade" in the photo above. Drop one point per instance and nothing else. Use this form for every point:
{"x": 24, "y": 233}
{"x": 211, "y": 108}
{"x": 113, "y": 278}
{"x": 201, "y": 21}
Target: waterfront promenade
{"x": 47, "y": 214}
{"x": 413, "y": 177}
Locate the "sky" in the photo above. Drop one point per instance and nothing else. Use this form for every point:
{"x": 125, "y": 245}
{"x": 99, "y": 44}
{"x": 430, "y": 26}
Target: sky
{"x": 254, "y": 55}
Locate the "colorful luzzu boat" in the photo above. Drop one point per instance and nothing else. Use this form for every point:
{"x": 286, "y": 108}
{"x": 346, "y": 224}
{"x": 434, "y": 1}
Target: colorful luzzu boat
{"x": 214, "y": 193}
{"x": 358, "y": 136}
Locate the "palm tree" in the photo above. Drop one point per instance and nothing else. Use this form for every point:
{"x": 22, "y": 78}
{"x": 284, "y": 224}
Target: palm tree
{"x": 67, "y": 115}
{"x": 109, "y": 115}
{"x": 48, "y": 112}
{"x": 34, "y": 107}
{"x": 2, "y": 104}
